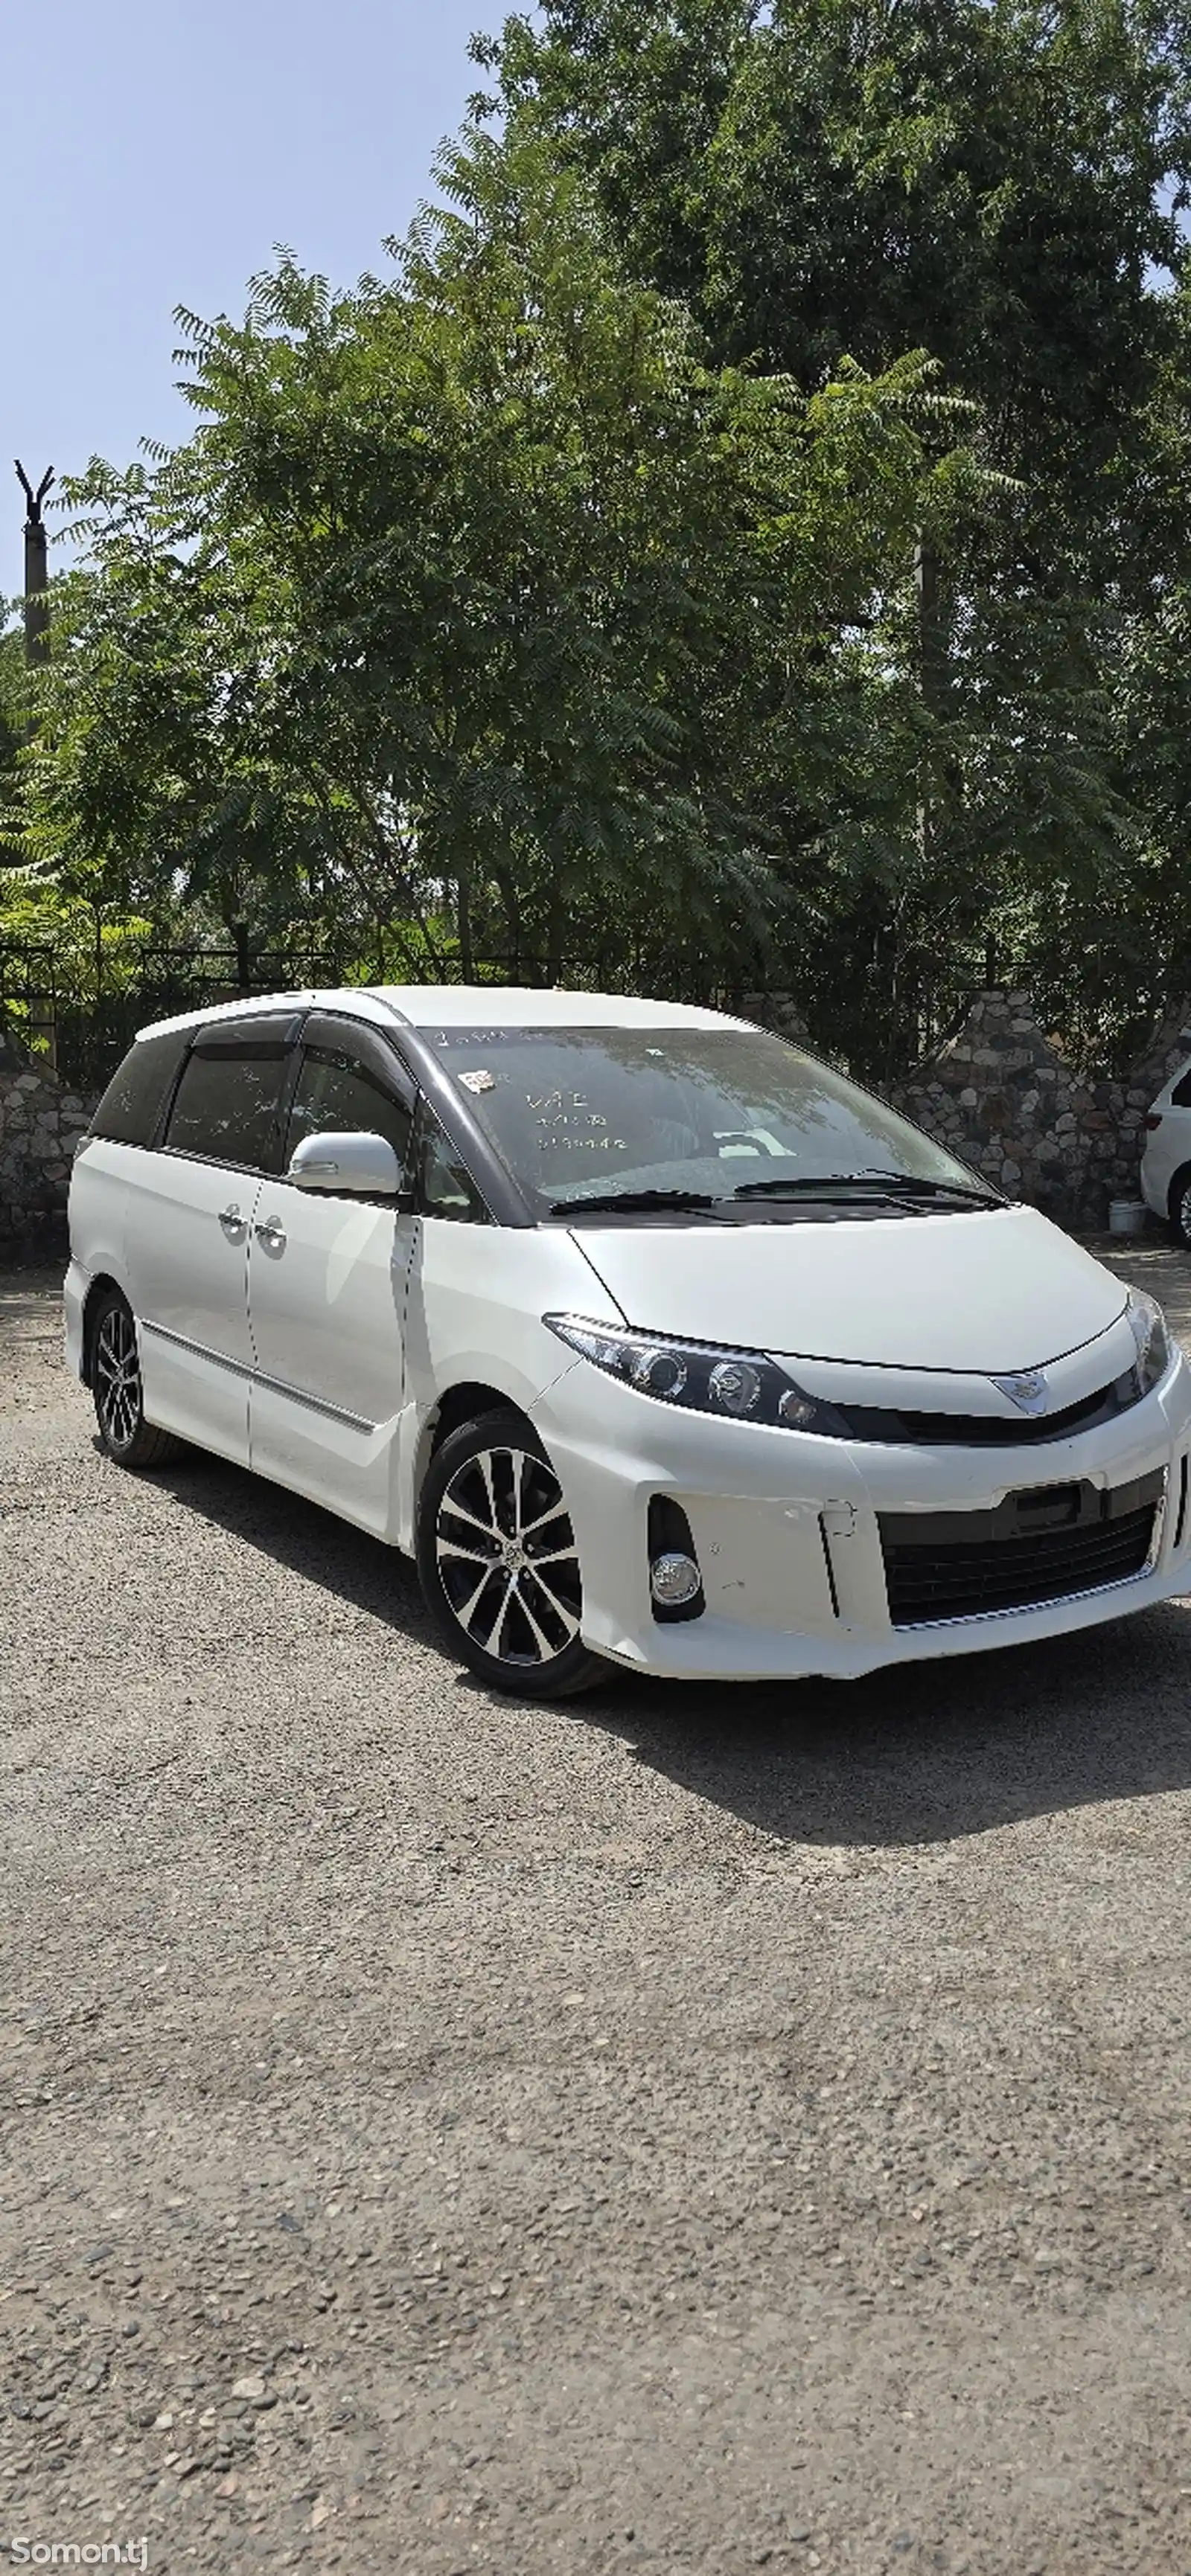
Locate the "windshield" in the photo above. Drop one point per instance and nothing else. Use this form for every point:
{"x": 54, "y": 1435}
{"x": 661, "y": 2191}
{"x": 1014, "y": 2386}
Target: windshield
{"x": 581, "y": 1113}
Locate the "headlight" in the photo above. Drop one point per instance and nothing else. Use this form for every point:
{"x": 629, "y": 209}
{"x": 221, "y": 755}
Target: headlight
{"x": 1148, "y": 1325}
{"x": 744, "y": 1386}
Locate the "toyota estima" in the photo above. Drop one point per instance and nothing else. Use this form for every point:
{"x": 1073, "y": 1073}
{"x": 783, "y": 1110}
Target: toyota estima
{"x": 657, "y": 1342}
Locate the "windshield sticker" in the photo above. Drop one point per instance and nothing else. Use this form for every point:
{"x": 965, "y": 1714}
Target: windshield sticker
{"x": 481, "y": 1081}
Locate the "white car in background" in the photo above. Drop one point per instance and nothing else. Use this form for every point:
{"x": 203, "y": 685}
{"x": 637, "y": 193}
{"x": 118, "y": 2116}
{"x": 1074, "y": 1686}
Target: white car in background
{"x": 1166, "y": 1160}
{"x": 658, "y": 1343}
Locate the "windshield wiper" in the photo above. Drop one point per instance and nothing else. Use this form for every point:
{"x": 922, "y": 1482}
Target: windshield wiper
{"x": 876, "y": 1184}
{"x": 634, "y": 1201}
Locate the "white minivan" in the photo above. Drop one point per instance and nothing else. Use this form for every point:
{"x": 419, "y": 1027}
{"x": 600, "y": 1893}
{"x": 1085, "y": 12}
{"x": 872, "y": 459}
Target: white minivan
{"x": 657, "y": 1342}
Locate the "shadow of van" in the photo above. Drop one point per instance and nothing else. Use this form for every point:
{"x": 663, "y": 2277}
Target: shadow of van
{"x": 921, "y": 1753}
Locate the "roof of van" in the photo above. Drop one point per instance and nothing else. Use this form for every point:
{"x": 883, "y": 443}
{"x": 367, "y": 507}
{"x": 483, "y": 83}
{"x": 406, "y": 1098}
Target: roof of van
{"x": 468, "y": 1006}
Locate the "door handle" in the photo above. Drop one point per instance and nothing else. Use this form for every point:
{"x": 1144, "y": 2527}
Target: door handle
{"x": 234, "y": 1225}
{"x": 271, "y": 1234}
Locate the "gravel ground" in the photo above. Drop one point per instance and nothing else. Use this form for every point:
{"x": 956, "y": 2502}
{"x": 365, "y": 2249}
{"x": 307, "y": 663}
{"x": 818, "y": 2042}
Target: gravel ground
{"x": 690, "y": 2131}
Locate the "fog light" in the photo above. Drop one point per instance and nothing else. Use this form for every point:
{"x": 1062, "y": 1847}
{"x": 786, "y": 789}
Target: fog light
{"x": 674, "y": 1579}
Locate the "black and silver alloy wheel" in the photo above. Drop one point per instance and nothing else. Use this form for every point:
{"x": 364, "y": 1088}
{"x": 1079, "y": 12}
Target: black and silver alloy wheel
{"x": 498, "y": 1560}
{"x": 116, "y": 1388}
{"x": 117, "y": 1378}
{"x": 507, "y": 1559}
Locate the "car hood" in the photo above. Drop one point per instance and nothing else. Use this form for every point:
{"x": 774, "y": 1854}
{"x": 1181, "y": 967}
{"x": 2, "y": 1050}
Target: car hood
{"x": 988, "y": 1292}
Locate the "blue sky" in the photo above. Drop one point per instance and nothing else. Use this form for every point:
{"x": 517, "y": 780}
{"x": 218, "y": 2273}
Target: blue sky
{"x": 154, "y": 151}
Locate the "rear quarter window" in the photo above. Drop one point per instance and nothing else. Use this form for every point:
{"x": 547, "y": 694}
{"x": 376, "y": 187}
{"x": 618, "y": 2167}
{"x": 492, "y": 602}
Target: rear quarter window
{"x": 1180, "y": 1097}
{"x": 131, "y": 1105}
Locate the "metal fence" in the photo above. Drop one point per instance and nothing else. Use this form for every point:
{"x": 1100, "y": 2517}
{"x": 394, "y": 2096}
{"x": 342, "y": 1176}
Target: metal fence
{"x": 83, "y": 1021}
{"x": 82, "y": 1014}
{"x": 84, "y": 1034}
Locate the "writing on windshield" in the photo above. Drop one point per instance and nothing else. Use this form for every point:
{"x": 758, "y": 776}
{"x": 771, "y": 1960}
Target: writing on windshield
{"x": 700, "y": 1110}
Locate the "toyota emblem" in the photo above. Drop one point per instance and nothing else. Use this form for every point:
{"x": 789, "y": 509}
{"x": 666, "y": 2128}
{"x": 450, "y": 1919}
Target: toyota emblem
{"x": 1027, "y": 1389}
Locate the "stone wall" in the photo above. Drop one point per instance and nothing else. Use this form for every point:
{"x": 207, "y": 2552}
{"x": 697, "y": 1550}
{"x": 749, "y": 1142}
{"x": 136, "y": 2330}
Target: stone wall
{"x": 1003, "y": 1096}
{"x": 40, "y": 1124}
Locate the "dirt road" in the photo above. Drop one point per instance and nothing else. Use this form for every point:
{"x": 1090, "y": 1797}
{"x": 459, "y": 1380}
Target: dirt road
{"x": 687, "y": 2131}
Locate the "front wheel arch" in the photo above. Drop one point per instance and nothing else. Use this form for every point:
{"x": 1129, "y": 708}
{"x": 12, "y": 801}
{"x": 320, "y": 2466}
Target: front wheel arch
{"x": 470, "y": 1401}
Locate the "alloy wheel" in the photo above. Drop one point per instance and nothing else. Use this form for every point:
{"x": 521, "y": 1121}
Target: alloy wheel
{"x": 506, "y": 1556}
{"x": 1183, "y": 1219}
{"x": 117, "y": 1378}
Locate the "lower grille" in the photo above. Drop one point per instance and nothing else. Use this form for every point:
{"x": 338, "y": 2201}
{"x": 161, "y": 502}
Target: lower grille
{"x": 1040, "y": 1545}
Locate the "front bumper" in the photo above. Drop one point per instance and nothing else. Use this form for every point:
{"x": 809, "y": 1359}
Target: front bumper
{"x": 786, "y": 1529}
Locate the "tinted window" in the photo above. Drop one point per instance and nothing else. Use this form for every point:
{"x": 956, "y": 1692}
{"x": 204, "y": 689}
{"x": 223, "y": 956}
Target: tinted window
{"x": 129, "y": 1109}
{"x": 575, "y": 1110}
{"x": 445, "y": 1186}
{"x": 1180, "y": 1097}
{"x": 228, "y": 1101}
{"x": 337, "y": 1090}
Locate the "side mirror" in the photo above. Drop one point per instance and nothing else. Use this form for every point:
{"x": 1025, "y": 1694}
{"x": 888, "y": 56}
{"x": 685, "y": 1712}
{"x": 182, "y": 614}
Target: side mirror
{"x": 362, "y": 1166}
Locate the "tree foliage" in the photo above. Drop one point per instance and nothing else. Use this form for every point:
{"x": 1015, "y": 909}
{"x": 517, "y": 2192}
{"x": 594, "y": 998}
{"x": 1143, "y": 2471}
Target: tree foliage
{"x": 1001, "y": 187}
{"x": 826, "y": 178}
{"x": 479, "y": 595}
{"x": 742, "y": 537}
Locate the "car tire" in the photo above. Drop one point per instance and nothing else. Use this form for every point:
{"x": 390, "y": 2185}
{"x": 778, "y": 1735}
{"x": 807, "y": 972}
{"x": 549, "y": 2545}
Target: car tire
{"x": 491, "y": 1496}
{"x": 117, "y": 1392}
{"x": 1179, "y": 1204}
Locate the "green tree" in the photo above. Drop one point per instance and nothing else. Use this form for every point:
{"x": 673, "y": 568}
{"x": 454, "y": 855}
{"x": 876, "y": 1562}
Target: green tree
{"x": 829, "y": 178}
{"x": 999, "y": 186}
{"x": 148, "y": 782}
{"x": 478, "y": 596}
